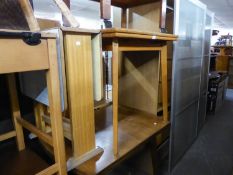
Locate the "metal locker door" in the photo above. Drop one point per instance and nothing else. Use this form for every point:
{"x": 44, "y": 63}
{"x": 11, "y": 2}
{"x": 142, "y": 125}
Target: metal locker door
{"x": 205, "y": 70}
{"x": 189, "y": 24}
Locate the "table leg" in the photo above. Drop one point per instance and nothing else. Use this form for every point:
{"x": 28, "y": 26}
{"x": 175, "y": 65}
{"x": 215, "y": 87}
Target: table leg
{"x": 115, "y": 79}
{"x": 15, "y": 111}
{"x": 55, "y": 108}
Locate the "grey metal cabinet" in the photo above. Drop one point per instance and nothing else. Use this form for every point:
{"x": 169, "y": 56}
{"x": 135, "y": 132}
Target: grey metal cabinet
{"x": 189, "y": 24}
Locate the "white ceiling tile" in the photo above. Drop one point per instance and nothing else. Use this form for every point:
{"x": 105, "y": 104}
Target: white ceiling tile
{"x": 223, "y": 10}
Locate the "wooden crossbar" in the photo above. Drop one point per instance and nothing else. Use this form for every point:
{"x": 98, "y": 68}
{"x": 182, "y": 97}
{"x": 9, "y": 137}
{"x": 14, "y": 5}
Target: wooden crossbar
{"x": 43, "y": 136}
{"x": 50, "y": 170}
{"x": 7, "y": 135}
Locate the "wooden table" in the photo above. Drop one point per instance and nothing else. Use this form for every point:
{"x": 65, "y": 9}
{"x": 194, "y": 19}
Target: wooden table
{"x": 121, "y": 130}
{"x": 40, "y": 54}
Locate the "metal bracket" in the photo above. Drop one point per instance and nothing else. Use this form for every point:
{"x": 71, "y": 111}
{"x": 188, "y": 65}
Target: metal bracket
{"x": 32, "y": 39}
{"x": 107, "y": 23}
{"x": 163, "y": 30}
{"x": 29, "y": 38}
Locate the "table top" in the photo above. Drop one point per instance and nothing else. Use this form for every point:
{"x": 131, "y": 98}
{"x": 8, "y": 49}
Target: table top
{"x": 79, "y": 30}
{"x": 132, "y": 33}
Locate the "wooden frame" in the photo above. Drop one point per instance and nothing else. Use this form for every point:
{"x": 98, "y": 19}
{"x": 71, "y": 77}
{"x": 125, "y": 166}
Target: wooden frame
{"x": 76, "y": 47}
{"x": 48, "y": 62}
{"x": 116, "y": 40}
{"x": 122, "y": 130}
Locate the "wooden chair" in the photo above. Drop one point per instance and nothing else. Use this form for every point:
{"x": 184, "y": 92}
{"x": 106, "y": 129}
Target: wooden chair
{"x": 78, "y": 49}
{"x": 41, "y": 56}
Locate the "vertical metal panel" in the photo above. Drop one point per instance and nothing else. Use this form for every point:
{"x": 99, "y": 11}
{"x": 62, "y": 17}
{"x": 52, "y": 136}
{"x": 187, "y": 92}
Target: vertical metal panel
{"x": 187, "y": 62}
{"x": 205, "y": 70}
{"x": 184, "y": 130}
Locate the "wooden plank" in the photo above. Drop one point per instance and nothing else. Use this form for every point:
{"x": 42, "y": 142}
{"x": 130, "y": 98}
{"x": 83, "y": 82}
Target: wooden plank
{"x": 140, "y": 80}
{"x": 47, "y": 23}
{"x": 138, "y": 36}
{"x": 67, "y": 14}
{"x": 163, "y": 14}
{"x": 130, "y": 48}
{"x": 15, "y": 111}
{"x": 24, "y": 57}
{"x": 66, "y": 126}
{"x": 65, "y": 22}
{"x": 164, "y": 82}
{"x": 50, "y": 170}
{"x": 79, "y": 30}
{"x": 52, "y": 77}
{"x": 145, "y": 17}
{"x": 7, "y": 135}
{"x": 138, "y": 32}
{"x": 97, "y": 65}
{"x": 124, "y": 18}
{"x": 39, "y": 112}
{"x": 115, "y": 84}
{"x": 78, "y": 57}
{"x": 75, "y": 162}
{"x": 43, "y": 136}
{"x": 28, "y": 12}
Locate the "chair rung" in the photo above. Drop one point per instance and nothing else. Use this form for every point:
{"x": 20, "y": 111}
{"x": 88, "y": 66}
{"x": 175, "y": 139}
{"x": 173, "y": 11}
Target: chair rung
{"x": 7, "y": 135}
{"x": 43, "y": 136}
{"x": 49, "y": 171}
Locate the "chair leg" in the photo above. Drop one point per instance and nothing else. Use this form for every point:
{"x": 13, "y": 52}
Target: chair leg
{"x": 55, "y": 108}
{"x": 15, "y": 111}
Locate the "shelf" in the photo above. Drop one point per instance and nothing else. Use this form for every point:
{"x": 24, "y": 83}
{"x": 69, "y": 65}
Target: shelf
{"x": 222, "y": 46}
{"x": 134, "y": 129}
{"x": 129, "y": 3}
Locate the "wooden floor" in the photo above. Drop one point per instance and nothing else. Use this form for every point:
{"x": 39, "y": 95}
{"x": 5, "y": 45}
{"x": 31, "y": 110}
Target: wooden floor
{"x": 12, "y": 162}
{"x": 134, "y": 129}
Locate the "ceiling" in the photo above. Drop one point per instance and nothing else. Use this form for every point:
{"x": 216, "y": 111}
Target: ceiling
{"x": 223, "y": 10}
